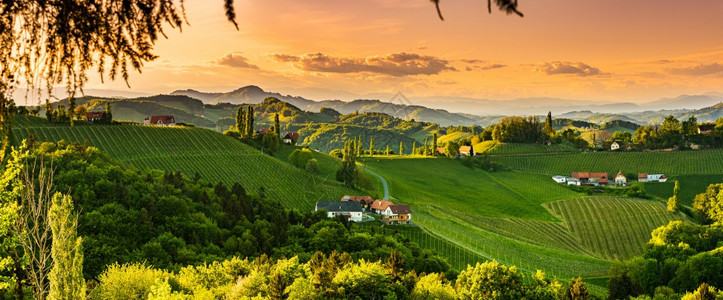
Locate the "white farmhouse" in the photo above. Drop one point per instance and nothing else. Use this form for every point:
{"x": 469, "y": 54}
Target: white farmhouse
{"x": 615, "y": 146}
{"x": 348, "y": 209}
{"x": 559, "y": 179}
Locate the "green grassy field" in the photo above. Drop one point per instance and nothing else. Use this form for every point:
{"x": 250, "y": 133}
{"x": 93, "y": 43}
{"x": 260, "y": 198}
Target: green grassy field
{"x": 612, "y": 227}
{"x": 690, "y": 185}
{"x": 671, "y": 163}
{"x": 455, "y": 136}
{"x": 214, "y": 156}
{"x": 519, "y": 218}
{"x": 496, "y": 148}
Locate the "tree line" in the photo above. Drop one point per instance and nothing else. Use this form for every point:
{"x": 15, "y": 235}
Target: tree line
{"x": 162, "y": 219}
{"x": 268, "y": 142}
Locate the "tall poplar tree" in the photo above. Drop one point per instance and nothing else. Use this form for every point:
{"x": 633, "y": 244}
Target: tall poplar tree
{"x": 401, "y": 148}
{"x": 277, "y": 127}
{"x": 66, "y": 274}
{"x": 548, "y": 129}
{"x": 371, "y": 146}
{"x": 434, "y": 144}
{"x": 414, "y": 148}
{"x": 426, "y": 146}
{"x": 673, "y": 201}
{"x": 348, "y": 173}
{"x": 108, "y": 113}
{"x": 240, "y": 119}
{"x": 250, "y": 122}
{"x": 71, "y": 110}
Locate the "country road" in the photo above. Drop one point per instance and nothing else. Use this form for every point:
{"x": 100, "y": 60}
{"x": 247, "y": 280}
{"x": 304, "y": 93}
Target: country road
{"x": 384, "y": 183}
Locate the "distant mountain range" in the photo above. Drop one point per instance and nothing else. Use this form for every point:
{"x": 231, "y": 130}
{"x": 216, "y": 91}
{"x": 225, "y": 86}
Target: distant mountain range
{"x": 445, "y": 111}
{"x": 254, "y": 95}
{"x": 441, "y": 110}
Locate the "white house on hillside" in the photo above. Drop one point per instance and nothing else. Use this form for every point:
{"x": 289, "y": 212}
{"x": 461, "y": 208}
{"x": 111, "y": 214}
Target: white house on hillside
{"x": 615, "y": 146}
{"x": 349, "y": 209}
{"x": 642, "y": 177}
{"x": 620, "y": 179}
{"x": 559, "y": 179}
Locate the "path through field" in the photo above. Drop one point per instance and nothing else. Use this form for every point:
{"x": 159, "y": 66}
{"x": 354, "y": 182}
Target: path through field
{"x": 384, "y": 183}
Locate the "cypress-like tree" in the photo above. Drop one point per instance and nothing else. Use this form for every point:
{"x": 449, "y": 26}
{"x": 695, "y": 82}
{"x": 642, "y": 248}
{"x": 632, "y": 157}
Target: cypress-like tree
{"x": 414, "y": 148}
{"x": 277, "y": 127}
{"x": 348, "y": 173}
{"x": 49, "y": 113}
{"x": 71, "y": 110}
{"x": 673, "y": 205}
{"x": 401, "y": 148}
{"x": 359, "y": 146}
{"x": 371, "y": 145}
{"x": 426, "y": 146}
{"x": 549, "y": 130}
{"x": 250, "y": 121}
{"x": 386, "y": 152}
{"x": 108, "y": 113}
{"x": 66, "y": 274}
{"x": 434, "y": 144}
{"x": 240, "y": 119}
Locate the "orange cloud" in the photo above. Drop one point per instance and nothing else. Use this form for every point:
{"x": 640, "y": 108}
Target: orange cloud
{"x": 396, "y": 64}
{"x": 236, "y": 61}
{"x": 699, "y": 70}
{"x": 569, "y": 68}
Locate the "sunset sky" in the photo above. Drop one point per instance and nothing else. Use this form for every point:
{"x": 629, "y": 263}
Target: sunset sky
{"x": 617, "y": 50}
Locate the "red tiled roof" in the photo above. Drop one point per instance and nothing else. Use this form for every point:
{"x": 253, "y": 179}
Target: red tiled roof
{"x": 642, "y": 175}
{"x": 361, "y": 199}
{"x": 465, "y": 149}
{"x": 94, "y": 114}
{"x": 167, "y": 119}
{"x": 264, "y": 130}
{"x": 292, "y": 135}
{"x": 400, "y": 209}
{"x": 620, "y": 173}
{"x": 381, "y": 204}
{"x": 440, "y": 150}
{"x": 578, "y": 175}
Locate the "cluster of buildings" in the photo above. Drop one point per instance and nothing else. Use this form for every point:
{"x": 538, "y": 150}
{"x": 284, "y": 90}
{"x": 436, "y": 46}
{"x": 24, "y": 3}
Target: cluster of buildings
{"x": 598, "y": 179}
{"x": 353, "y": 207}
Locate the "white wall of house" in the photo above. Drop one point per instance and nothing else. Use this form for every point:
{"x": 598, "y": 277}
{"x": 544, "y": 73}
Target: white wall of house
{"x": 354, "y": 216}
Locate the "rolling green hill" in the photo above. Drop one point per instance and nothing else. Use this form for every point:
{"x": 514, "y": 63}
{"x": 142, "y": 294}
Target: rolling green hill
{"x": 214, "y": 156}
{"x": 671, "y": 163}
{"x": 497, "y": 148}
{"x": 612, "y": 227}
{"x": 520, "y": 218}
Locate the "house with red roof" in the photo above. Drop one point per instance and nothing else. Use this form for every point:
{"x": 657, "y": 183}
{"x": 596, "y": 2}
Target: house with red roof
{"x": 166, "y": 120}
{"x": 397, "y": 214}
{"x": 95, "y": 116}
{"x": 378, "y": 206}
{"x": 591, "y": 178}
{"x": 290, "y": 138}
{"x": 365, "y": 201}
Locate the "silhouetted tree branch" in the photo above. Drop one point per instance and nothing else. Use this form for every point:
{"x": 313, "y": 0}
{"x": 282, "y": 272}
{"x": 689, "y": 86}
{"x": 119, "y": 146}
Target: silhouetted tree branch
{"x": 509, "y": 6}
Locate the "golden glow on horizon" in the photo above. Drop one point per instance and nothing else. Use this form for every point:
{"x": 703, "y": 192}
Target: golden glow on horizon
{"x": 606, "y": 50}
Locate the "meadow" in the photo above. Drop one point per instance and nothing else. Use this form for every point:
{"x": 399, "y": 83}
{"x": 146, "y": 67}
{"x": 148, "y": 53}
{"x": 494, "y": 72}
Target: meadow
{"x": 613, "y": 228}
{"x": 670, "y": 163}
{"x": 217, "y": 158}
{"x": 497, "y": 148}
{"x": 520, "y": 218}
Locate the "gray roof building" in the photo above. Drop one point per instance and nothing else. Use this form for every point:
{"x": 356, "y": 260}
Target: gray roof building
{"x": 350, "y": 206}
